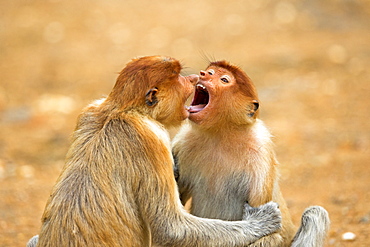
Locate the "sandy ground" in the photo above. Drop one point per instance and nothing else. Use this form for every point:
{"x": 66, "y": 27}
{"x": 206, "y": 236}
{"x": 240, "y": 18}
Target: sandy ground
{"x": 308, "y": 59}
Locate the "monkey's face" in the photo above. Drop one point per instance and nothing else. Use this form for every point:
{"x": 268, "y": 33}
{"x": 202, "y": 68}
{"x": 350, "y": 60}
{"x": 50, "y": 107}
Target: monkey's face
{"x": 153, "y": 85}
{"x": 172, "y": 95}
{"x": 219, "y": 100}
{"x": 171, "y": 92}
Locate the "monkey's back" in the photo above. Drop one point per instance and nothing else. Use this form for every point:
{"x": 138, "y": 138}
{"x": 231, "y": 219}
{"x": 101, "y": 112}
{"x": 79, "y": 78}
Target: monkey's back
{"x": 93, "y": 201}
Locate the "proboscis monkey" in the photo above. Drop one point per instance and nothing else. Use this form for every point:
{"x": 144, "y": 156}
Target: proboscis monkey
{"x": 117, "y": 187}
{"x": 224, "y": 156}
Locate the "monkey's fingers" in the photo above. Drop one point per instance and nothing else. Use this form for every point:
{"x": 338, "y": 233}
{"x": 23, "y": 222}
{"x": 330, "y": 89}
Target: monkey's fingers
{"x": 246, "y": 207}
{"x": 267, "y": 217}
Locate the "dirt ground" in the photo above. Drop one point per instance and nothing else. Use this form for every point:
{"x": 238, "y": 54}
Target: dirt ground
{"x": 309, "y": 60}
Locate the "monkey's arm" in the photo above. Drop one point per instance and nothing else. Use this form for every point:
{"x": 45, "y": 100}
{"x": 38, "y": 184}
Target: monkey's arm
{"x": 184, "y": 192}
{"x": 176, "y": 172}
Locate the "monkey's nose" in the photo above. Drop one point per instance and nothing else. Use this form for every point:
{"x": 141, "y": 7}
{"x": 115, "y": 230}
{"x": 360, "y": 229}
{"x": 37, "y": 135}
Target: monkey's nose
{"x": 193, "y": 78}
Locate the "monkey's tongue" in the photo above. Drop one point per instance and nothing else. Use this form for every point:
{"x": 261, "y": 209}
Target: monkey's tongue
{"x": 196, "y": 108}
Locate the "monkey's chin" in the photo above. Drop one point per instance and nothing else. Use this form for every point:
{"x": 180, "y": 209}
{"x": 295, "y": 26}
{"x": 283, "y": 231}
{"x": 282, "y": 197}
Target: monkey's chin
{"x": 185, "y": 113}
{"x": 196, "y": 117}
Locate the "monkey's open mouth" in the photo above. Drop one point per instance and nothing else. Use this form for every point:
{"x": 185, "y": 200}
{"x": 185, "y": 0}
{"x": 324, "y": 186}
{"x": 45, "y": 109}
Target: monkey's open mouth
{"x": 200, "y": 100}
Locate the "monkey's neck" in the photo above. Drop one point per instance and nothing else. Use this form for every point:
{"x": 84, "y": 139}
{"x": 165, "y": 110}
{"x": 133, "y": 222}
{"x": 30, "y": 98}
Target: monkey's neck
{"x": 223, "y": 130}
{"x": 252, "y": 133}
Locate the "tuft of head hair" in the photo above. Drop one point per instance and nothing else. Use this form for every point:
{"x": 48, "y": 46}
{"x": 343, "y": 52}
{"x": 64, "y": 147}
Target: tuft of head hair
{"x": 140, "y": 75}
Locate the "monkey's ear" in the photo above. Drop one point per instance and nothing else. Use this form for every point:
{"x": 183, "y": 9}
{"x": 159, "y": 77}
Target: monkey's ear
{"x": 150, "y": 97}
{"x": 256, "y": 105}
{"x": 253, "y": 111}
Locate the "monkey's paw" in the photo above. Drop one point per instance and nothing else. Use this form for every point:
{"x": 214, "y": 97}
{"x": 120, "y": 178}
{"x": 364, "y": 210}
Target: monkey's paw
{"x": 264, "y": 220}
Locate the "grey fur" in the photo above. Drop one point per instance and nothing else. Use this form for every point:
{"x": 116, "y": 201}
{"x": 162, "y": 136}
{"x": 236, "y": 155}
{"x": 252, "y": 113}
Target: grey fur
{"x": 314, "y": 226}
{"x": 33, "y": 241}
{"x": 261, "y": 221}
{"x": 263, "y": 214}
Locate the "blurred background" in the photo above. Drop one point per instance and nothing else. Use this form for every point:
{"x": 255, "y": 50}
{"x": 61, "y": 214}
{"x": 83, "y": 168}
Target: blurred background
{"x": 309, "y": 60}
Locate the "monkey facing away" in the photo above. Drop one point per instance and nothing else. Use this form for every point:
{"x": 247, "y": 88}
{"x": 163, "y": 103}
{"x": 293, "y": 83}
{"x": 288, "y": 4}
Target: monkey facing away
{"x": 224, "y": 156}
{"x": 117, "y": 187}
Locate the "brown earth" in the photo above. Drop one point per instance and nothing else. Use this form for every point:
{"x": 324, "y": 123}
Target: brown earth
{"x": 309, "y": 60}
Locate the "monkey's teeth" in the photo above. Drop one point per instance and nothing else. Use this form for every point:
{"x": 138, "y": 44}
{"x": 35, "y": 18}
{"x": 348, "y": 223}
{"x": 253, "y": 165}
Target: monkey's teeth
{"x": 188, "y": 108}
{"x": 201, "y": 86}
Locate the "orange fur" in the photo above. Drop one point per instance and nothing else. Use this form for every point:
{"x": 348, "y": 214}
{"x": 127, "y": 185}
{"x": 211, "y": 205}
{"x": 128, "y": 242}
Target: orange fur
{"x": 117, "y": 186}
{"x": 225, "y": 152}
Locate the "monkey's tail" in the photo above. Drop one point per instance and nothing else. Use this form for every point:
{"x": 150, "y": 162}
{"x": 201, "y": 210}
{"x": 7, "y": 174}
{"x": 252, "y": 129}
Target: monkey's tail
{"x": 314, "y": 227}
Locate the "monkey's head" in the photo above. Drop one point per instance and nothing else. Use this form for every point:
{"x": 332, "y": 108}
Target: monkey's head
{"x": 153, "y": 86}
{"x": 224, "y": 96}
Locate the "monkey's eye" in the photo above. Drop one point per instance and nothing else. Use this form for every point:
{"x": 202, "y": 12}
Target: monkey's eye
{"x": 225, "y": 79}
{"x": 211, "y": 72}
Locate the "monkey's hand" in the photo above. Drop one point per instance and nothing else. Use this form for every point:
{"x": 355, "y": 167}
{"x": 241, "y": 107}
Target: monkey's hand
{"x": 263, "y": 220}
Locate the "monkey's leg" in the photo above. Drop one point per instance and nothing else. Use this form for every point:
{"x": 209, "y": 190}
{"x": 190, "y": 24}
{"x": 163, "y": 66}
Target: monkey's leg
{"x": 273, "y": 240}
{"x": 314, "y": 226}
{"x": 33, "y": 241}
